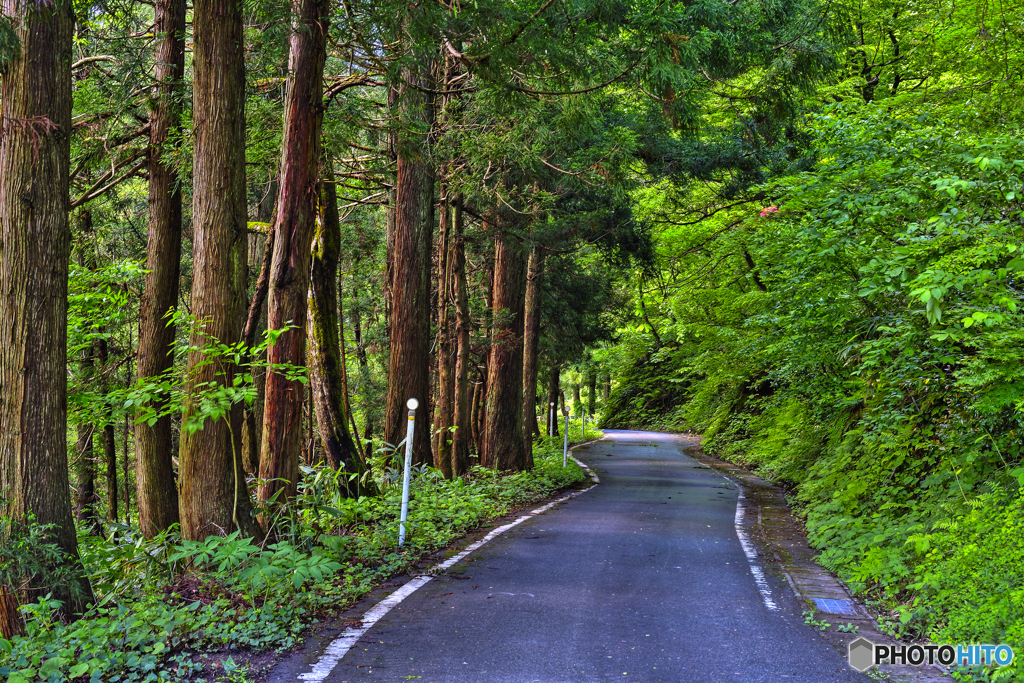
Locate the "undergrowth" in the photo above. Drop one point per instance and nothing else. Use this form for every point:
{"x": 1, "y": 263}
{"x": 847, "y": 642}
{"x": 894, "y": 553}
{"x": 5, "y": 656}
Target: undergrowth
{"x": 173, "y": 610}
{"x": 873, "y": 369}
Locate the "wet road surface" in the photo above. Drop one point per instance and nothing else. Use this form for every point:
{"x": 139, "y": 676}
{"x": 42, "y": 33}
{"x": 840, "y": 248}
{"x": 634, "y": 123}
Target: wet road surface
{"x": 642, "y": 578}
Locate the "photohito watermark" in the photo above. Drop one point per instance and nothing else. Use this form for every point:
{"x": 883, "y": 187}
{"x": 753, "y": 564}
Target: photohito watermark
{"x": 863, "y": 654}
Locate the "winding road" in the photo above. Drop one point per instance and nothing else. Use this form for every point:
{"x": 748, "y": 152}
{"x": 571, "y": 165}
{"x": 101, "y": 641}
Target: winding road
{"x": 646, "y": 577}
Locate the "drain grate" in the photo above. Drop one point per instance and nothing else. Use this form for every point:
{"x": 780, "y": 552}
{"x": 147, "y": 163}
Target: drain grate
{"x": 835, "y": 606}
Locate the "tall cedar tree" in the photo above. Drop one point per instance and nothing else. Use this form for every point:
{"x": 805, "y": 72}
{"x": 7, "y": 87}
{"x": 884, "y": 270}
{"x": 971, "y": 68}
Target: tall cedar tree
{"x": 85, "y": 474}
{"x": 35, "y": 245}
{"x": 443, "y": 408}
{"x": 155, "y": 487}
{"x": 552, "y": 403}
{"x": 326, "y": 360}
{"x": 462, "y": 409}
{"x": 531, "y": 346}
{"x": 409, "y": 269}
{"x": 255, "y": 321}
{"x": 591, "y": 391}
{"x": 294, "y": 226}
{"x": 213, "y": 498}
{"x": 503, "y": 440}
{"x": 109, "y": 443}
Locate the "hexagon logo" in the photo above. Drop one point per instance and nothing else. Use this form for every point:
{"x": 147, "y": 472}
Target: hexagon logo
{"x": 862, "y": 654}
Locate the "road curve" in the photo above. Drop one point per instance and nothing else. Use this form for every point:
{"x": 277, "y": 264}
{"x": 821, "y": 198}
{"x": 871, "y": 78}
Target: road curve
{"x": 642, "y": 578}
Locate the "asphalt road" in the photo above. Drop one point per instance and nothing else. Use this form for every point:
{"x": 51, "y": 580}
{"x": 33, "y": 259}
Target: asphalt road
{"x": 642, "y": 578}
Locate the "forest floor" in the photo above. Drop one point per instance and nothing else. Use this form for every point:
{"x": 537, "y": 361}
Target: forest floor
{"x": 645, "y": 577}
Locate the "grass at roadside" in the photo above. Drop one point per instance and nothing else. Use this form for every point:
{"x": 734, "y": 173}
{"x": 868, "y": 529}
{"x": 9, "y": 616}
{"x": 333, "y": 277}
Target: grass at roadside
{"x": 172, "y": 610}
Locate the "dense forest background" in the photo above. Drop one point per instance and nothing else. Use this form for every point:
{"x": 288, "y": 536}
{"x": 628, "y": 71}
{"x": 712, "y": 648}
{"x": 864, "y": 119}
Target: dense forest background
{"x": 237, "y": 237}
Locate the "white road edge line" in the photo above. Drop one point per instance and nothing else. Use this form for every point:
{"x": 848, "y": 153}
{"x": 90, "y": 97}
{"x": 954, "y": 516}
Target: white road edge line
{"x": 341, "y": 645}
{"x": 748, "y": 550}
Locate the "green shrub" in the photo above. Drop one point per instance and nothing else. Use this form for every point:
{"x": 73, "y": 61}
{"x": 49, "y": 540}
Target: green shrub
{"x": 165, "y": 604}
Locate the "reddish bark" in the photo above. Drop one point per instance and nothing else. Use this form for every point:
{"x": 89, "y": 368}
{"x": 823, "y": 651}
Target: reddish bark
{"x": 155, "y": 487}
{"x": 531, "y": 346}
{"x": 462, "y": 409}
{"x": 503, "y": 443}
{"x": 294, "y": 226}
{"x": 409, "y": 279}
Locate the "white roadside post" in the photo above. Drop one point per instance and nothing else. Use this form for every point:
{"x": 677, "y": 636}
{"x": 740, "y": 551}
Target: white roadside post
{"x": 551, "y": 420}
{"x": 565, "y": 445}
{"x": 412, "y": 404}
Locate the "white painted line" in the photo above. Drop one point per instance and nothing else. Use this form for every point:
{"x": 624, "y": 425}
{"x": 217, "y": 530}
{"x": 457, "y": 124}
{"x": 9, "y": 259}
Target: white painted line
{"x": 748, "y": 550}
{"x": 340, "y": 646}
{"x": 592, "y": 473}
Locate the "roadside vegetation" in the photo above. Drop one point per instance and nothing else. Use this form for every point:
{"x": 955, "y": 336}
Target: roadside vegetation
{"x": 850, "y": 325}
{"x": 174, "y": 610}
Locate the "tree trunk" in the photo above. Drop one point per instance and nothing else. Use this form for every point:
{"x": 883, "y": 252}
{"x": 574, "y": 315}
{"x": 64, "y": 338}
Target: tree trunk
{"x": 607, "y": 387}
{"x": 293, "y": 228}
{"x": 346, "y": 405}
{"x": 476, "y": 413}
{"x": 261, "y": 245}
{"x": 531, "y": 346}
{"x": 577, "y": 399}
{"x": 326, "y": 361}
{"x": 409, "y": 268}
{"x": 553, "y": 392}
{"x": 591, "y": 392}
{"x": 480, "y": 404}
{"x": 444, "y": 408}
{"x": 109, "y": 444}
{"x": 364, "y": 379}
{"x": 503, "y": 449}
{"x": 462, "y": 409}
{"x": 256, "y": 320}
{"x": 213, "y": 498}
{"x": 125, "y": 469}
{"x": 12, "y": 623}
{"x": 35, "y": 246}
{"x": 85, "y": 479}
{"x": 156, "y": 490}
{"x": 85, "y": 468}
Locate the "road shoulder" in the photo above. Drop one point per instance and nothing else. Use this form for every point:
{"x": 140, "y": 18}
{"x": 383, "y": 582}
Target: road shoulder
{"x": 782, "y": 543}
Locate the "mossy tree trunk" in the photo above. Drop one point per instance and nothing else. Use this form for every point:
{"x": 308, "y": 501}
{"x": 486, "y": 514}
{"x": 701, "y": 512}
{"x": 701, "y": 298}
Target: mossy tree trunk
{"x": 443, "y": 406}
{"x": 326, "y": 361}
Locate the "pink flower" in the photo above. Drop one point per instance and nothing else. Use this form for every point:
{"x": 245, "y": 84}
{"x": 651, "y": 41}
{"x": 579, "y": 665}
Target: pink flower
{"x": 768, "y": 210}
